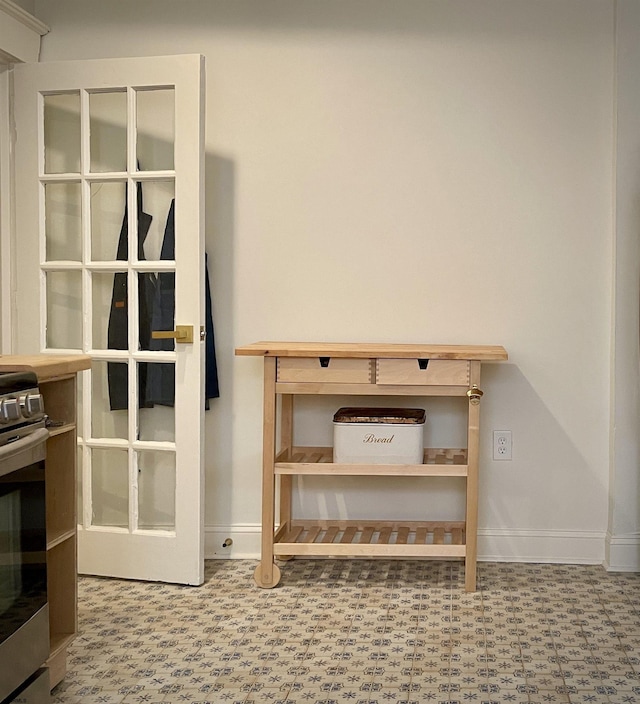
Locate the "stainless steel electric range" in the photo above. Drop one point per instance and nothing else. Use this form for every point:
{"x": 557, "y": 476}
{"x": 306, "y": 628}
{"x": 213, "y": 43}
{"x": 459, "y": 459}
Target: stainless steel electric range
{"x": 24, "y": 614}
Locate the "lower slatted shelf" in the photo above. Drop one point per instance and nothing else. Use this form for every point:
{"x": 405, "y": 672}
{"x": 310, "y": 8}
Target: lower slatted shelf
{"x": 371, "y": 539}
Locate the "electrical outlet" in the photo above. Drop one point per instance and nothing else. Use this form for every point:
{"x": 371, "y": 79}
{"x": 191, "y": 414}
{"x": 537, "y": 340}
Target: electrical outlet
{"x": 501, "y": 444}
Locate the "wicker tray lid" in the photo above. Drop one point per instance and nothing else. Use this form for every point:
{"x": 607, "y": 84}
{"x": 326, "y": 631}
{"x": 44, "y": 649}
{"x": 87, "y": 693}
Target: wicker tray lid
{"x": 379, "y": 415}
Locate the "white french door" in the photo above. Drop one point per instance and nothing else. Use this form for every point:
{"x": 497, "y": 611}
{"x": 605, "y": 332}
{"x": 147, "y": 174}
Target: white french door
{"x": 109, "y": 247}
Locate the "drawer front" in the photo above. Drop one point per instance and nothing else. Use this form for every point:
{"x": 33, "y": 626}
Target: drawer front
{"x": 417, "y": 372}
{"x": 334, "y": 370}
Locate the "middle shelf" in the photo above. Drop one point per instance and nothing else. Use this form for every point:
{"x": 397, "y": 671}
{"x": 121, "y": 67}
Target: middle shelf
{"x": 436, "y": 462}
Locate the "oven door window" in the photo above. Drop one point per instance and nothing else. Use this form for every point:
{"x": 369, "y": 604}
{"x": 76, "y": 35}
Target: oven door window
{"x": 23, "y": 570}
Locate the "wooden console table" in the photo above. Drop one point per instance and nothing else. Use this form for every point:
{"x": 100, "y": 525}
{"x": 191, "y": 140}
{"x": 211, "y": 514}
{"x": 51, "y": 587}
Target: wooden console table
{"x": 292, "y": 368}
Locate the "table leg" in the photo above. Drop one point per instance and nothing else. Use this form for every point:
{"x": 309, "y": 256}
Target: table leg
{"x": 471, "y": 520}
{"x": 267, "y": 573}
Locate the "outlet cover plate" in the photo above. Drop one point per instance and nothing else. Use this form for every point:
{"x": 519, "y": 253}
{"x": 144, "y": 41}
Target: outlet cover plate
{"x": 502, "y": 445}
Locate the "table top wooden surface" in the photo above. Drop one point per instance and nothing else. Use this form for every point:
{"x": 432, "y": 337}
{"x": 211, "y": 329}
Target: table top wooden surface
{"x": 360, "y": 350}
{"x": 46, "y": 366}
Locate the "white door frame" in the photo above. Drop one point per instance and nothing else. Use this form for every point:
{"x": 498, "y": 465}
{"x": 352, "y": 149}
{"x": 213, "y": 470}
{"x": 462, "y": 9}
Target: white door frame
{"x": 20, "y": 35}
{"x": 7, "y": 267}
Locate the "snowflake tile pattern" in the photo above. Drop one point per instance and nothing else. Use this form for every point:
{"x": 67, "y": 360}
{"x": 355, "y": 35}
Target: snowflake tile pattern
{"x": 360, "y": 632}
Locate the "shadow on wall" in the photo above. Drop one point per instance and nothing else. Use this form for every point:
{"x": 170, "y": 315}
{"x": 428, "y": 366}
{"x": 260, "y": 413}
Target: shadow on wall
{"x": 552, "y": 498}
{"x": 220, "y": 199}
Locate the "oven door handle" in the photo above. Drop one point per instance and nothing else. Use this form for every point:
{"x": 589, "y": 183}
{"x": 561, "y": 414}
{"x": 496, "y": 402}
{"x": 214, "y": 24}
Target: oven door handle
{"x": 23, "y": 452}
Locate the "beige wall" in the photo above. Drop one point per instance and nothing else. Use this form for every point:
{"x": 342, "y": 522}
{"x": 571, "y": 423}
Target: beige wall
{"x": 28, "y": 5}
{"x": 410, "y": 171}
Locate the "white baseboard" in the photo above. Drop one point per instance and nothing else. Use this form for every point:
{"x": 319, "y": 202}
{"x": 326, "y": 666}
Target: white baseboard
{"x": 550, "y": 546}
{"x": 245, "y": 542}
{"x": 622, "y": 553}
{"x": 563, "y": 547}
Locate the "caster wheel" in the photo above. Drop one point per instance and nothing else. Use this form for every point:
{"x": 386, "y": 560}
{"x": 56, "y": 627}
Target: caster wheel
{"x": 263, "y": 581}
{"x": 285, "y": 558}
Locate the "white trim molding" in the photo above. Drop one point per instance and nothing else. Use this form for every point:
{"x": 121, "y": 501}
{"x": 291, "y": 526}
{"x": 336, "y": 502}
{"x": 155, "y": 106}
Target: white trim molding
{"x": 6, "y": 213}
{"x": 550, "y": 546}
{"x": 545, "y": 546}
{"x": 10, "y": 8}
{"x": 623, "y": 553}
{"x": 244, "y": 537}
{"x": 20, "y": 33}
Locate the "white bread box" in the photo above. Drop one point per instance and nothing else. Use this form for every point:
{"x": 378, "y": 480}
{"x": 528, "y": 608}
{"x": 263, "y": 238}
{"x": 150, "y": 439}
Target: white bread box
{"x": 378, "y": 435}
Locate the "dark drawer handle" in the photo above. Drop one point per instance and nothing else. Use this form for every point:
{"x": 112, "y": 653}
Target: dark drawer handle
{"x": 424, "y": 363}
{"x": 324, "y": 361}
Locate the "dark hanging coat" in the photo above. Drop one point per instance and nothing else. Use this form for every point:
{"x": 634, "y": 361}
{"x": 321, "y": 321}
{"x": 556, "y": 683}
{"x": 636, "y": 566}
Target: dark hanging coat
{"x": 161, "y": 388}
{"x": 212, "y": 388}
{"x": 117, "y": 334}
{"x": 161, "y": 379}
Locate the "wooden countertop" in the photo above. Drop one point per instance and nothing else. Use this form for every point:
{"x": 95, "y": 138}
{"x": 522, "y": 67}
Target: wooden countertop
{"x": 46, "y": 366}
{"x": 484, "y": 353}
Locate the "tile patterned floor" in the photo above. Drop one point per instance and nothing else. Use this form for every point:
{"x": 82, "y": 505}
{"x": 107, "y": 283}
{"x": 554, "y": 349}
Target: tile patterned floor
{"x": 360, "y": 632}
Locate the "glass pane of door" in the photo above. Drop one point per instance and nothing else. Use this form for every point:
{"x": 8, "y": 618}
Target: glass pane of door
{"x": 156, "y": 419}
{"x": 108, "y": 131}
{"x": 110, "y": 488}
{"x": 62, "y": 133}
{"x": 62, "y": 221}
{"x": 156, "y": 490}
{"x": 105, "y": 288}
{"x": 155, "y": 200}
{"x": 107, "y": 212}
{"x": 155, "y": 129}
{"x": 109, "y": 400}
{"x": 64, "y": 309}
